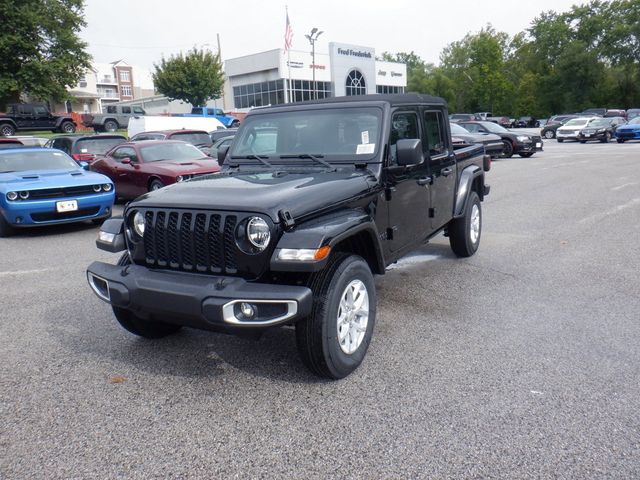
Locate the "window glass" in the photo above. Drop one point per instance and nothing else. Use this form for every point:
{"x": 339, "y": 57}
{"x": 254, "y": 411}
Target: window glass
{"x": 210, "y": 111}
{"x": 403, "y": 125}
{"x": 126, "y": 109}
{"x": 355, "y": 83}
{"x": 40, "y": 111}
{"x": 125, "y": 152}
{"x": 434, "y": 129}
{"x": 138, "y": 110}
{"x": 111, "y": 109}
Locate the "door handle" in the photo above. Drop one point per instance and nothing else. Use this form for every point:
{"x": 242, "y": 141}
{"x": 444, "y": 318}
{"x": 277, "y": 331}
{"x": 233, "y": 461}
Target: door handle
{"x": 425, "y": 181}
{"x": 446, "y": 171}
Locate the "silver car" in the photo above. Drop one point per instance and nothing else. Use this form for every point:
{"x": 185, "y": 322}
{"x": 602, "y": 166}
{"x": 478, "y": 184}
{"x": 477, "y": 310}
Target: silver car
{"x": 571, "y": 129}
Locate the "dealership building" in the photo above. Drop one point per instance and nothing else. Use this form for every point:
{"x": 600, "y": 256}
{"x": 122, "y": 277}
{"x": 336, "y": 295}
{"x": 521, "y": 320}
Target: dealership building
{"x": 275, "y": 76}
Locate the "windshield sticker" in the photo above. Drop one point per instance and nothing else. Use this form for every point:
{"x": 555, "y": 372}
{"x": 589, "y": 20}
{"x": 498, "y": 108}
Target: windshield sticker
{"x": 365, "y": 136}
{"x": 365, "y": 148}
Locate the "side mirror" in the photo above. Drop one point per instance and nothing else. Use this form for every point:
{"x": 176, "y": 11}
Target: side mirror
{"x": 409, "y": 152}
{"x": 126, "y": 161}
{"x": 222, "y": 154}
{"x": 84, "y": 165}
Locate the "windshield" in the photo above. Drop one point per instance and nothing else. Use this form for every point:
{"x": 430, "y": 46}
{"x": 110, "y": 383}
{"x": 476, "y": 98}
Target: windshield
{"x": 20, "y": 161}
{"x": 494, "y": 127}
{"x": 193, "y": 138}
{"x": 97, "y": 146}
{"x": 457, "y": 129}
{"x": 338, "y": 134}
{"x": 634, "y": 121}
{"x": 170, "y": 151}
{"x": 577, "y": 122}
{"x": 601, "y": 122}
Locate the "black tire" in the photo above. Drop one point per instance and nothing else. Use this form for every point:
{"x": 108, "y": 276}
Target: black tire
{"x": 460, "y": 229}
{"x": 507, "y": 151}
{"x": 549, "y": 134}
{"x": 6, "y": 230}
{"x": 620, "y": 140}
{"x": 582, "y": 141}
{"x": 560, "y": 140}
{"x": 67, "y": 127}
{"x": 155, "y": 184}
{"x": 139, "y": 326}
{"x": 110, "y": 126}
{"x": 606, "y": 138}
{"x": 6, "y": 130}
{"x": 317, "y": 336}
{"x": 526, "y": 154}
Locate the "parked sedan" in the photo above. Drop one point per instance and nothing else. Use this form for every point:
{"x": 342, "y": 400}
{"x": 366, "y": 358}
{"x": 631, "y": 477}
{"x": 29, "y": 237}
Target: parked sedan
{"x": 520, "y": 143}
{"x": 85, "y": 148}
{"x": 549, "y": 129}
{"x": 630, "y": 131}
{"x": 43, "y": 186}
{"x": 492, "y": 143}
{"x": 570, "y": 130}
{"x": 462, "y": 117}
{"x": 139, "y": 167}
{"x": 526, "y": 122}
{"x": 602, "y": 129}
{"x": 10, "y": 143}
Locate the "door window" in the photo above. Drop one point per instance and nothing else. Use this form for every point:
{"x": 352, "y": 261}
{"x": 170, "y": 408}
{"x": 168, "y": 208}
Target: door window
{"x": 435, "y": 133}
{"x": 403, "y": 125}
{"x": 126, "y": 109}
{"x": 138, "y": 110}
{"x": 41, "y": 111}
{"x": 125, "y": 152}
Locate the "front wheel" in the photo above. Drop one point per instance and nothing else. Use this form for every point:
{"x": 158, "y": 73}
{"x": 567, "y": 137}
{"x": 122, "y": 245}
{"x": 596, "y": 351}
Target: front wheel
{"x": 334, "y": 339}
{"x": 620, "y": 140}
{"x": 464, "y": 232}
{"x": 526, "y": 154}
{"x": 507, "y": 152}
{"x": 606, "y": 138}
{"x": 155, "y": 185}
{"x": 560, "y": 140}
{"x": 549, "y": 134}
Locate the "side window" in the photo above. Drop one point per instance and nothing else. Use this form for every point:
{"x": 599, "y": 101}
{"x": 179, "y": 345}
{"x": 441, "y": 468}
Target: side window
{"x": 210, "y": 111}
{"x": 472, "y": 127}
{"x": 138, "y": 110}
{"x": 126, "y": 109}
{"x": 125, "y": 152}
{"x": 41, "y": 111}
{"x": 403, "y": 125}
{"x": 435, "y": 133}
{"x": 25, "y": 110}
{"x": 111, "y": 109}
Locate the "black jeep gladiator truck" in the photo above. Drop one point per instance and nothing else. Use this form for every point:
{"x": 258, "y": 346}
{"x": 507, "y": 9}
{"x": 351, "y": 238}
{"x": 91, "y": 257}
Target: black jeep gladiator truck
{"x": 313, "y": 199}
{"x": 33, "y": 116}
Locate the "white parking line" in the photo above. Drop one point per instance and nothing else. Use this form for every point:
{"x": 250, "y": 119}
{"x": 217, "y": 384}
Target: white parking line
{"x": 625, "y": 185}
{"x": 613, "y": 211}
{"x": 25, "y": 272}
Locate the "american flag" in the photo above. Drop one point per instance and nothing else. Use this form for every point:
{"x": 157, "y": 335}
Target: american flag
{"x": 288, "y": 35}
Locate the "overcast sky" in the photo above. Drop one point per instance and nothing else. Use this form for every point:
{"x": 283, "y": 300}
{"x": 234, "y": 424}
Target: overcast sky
{"x": 141, "y": 31}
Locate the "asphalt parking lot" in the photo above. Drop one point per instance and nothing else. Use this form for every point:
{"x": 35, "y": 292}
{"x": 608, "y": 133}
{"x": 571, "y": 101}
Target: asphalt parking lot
{"x": 519, "y": 362}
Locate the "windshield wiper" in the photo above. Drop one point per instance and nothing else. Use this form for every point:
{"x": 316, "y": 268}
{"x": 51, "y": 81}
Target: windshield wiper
{"x": 260, "y": 158}
{"x": 315, "y": 158}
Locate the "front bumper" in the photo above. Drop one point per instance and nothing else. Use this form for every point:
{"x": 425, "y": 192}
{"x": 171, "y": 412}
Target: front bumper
{"x": 582, "y": 136}
{"x": 526, "y": 147}
{"x": 197, "y": 300}
{"x": 628, "y": 135}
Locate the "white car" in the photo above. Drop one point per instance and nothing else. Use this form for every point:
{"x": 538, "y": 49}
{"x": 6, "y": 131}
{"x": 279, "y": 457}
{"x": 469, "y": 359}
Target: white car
{"x": 570, "y": 130}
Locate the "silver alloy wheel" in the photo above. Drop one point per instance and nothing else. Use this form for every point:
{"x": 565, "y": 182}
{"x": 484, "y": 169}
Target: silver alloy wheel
{"x": 474, "y": 224}
{"x": 548, "y": 134}
{"x": 353, "y": 316}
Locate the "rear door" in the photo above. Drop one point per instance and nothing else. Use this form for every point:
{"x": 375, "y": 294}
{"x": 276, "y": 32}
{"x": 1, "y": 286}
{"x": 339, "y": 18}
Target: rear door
{"x": 442, "y": 166}
{"x": 23, "y": 115}
{"x": 42, "y": 118}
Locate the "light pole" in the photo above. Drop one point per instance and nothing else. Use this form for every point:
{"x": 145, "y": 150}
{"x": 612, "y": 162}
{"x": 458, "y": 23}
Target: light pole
{"x": 312, "y": 37}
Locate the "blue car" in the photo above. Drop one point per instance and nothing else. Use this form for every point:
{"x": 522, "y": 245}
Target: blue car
{"x": 630, "y": 131}
{"x": 43, "y": 186}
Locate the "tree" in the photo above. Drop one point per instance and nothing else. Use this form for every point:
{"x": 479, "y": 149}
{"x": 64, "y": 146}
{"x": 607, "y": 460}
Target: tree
{"x": 195, "y": 77}
{"x": 40, "y": 51}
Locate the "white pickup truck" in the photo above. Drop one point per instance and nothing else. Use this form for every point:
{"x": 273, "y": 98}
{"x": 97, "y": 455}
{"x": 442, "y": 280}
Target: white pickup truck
{"x": 150, "y": 123}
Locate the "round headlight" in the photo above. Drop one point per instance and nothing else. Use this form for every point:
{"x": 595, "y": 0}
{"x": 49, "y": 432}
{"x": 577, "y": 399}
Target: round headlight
{"x": 107, "y": 187}
{"x": 138, "y": 224}
{"x": 258, "y": 233}
{"x": 24, "y": 195}
{"x": 97, "y": 188}
{"x": 12, "y": 196}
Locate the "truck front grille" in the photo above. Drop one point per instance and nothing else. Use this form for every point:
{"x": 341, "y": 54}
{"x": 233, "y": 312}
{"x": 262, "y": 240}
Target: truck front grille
{"x": 191, "y": 241}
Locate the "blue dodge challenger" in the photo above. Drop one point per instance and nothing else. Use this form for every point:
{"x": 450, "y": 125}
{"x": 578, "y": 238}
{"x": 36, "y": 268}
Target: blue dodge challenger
{"x": 43, "y": 186}
{"x": 630, "y": 131}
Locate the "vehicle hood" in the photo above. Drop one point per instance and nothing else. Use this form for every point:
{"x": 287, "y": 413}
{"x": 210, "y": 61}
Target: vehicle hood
{"x": 34, "y": 179}
{"x": 628, "y": 128}
{"x": 171, "y": 167}
{"x": 479, "y": 137}
{"x": 266, "y": 191}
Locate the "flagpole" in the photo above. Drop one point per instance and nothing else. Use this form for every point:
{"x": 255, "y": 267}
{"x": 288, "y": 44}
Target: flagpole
{"x": 289, "y": 60}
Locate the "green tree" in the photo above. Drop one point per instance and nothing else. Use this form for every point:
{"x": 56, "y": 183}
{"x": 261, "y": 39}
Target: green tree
{"x": 40, "y": 50}
{"x": 195, "y": 77}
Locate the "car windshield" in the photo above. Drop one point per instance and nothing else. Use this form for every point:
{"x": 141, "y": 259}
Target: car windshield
{"x": 601, "y": 122}
{"x": 20, "y": 161}
{"x": 337, "y": 134}
{"x": 634, "y": 121}
{"x": 193, "y": 138}
{"x": 457, "y": 129}
{"x": 577, "y": 122}
{"x": 97, "y": 146}
{"x": 170, "y": 151}
{"x": 494, "y": 127}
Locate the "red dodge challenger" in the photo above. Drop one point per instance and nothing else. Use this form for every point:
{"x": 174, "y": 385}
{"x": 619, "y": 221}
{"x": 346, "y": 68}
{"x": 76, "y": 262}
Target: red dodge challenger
{"x": 139, "y": 167}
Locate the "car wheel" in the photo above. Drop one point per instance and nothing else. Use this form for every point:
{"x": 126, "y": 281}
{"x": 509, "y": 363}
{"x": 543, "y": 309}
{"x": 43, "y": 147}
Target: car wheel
{"x": 155, "y": 185}
{"x": 507, "y": 152}
{"x": 526, "y": 154}
{"x": 334, "y": 339}
{"x": 620, "y": 140}
{"x": 549, "y": 134}
{"x": 560, "y": 140}
{"x": 6, "y": 130}
{"x": 582, "y": 141}
{"x": 6, "y": 230}
{"x": 110, "y": 126}
{"x": 67, "y": 127}
{"x": 464, "y": 232}
{"x": 606, "y": 138}
{"x": 139, "y": 326}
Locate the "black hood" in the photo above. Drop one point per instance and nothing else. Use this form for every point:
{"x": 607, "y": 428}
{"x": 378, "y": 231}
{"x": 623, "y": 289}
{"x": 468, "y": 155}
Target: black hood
{"x": 268, "y": 192}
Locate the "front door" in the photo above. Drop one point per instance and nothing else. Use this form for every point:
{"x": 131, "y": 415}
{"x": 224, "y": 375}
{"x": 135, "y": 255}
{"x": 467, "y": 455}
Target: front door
{"x": 125, "y": 172}
{"x": 442, "y": 165}
{"x": 42, "y": 119}
{"x": 406, "y": 192}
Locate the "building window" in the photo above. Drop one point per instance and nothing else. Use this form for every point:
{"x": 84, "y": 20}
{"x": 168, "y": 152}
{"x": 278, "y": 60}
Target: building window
{"x": 82, "y": 83}
{"x": 124, "y": 76}
{"x": 389, "y": 89}
{"x": 303, "y": 90}
{"x": 126, "y": 90}
{"x": 355, "y": 84}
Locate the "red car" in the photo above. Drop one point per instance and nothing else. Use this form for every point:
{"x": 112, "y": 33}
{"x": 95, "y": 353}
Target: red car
{"x": 10, "y": 143}
{"x": 139, "y": 167}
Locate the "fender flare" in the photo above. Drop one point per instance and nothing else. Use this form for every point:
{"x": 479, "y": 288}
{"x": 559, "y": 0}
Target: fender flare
{"x": 61, "y": 120}
{"x": 328, "y": 230}
{"x": 10, "y": 121}
{"x": 467, "y": 177}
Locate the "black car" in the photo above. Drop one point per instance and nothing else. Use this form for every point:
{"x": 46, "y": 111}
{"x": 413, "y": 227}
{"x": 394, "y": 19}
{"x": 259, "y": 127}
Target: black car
{"x": 85, "y": 148}
{"x": 462, "y": 117}
{"x": 221, "y": 133}
{"x": 602, "y": 129}
{"x": 526, "y": 122}
{"x": 523, "y": 144}
{"x": 460, "y": 136}
{"x": 555, "y": 122}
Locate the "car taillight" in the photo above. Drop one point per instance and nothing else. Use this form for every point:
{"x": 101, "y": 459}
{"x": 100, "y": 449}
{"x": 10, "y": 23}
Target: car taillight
{"x": 83, "y": 157}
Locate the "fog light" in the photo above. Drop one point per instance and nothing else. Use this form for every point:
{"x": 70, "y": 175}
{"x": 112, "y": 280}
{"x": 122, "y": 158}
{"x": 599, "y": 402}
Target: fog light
{"x": 18, "y": 219}
{"x": 247, "y": 310}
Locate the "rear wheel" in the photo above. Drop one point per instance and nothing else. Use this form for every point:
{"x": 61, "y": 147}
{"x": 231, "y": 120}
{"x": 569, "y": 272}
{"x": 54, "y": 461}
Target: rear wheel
{"x": 110, "y": 126}
{"x": 6, "y": 130}
{"x": 620, "y": 140}
{"x": 67, "y": 127}
{"x": 6, "y": 230}
{"x": 464, "y": 232}
{"x": 334, "y": 339}
{"x": 526, "y": 155}
{"x": 507, "y": 152}
{"x": 139, "y": 326}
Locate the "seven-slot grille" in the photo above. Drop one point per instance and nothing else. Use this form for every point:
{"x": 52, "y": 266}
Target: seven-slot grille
{"x": 191, "y": 241}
